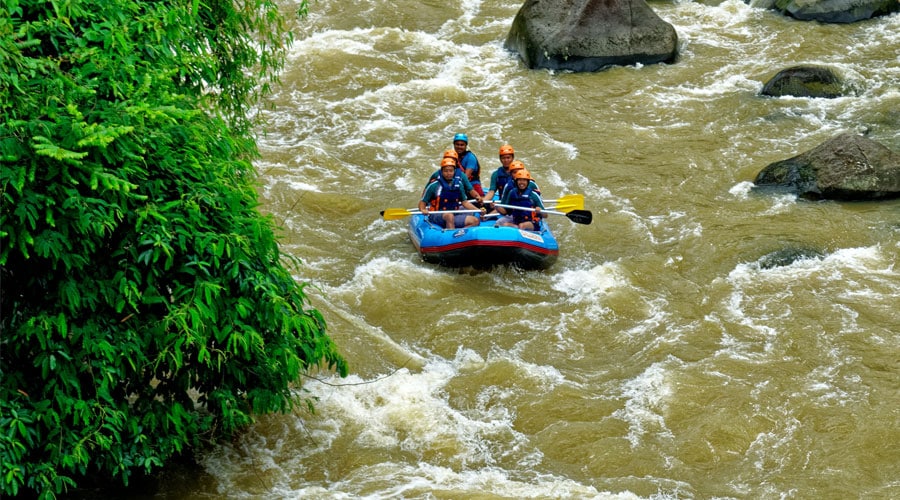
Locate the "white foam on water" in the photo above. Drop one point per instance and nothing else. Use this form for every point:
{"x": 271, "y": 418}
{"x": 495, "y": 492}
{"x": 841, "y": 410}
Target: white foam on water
{"x": 763, "y": 300}
{"x": 826, "y": 386}
{"x": 657, "y": 318}
{"x": 387, "y": 124}
{"x": 719, "y": 84}
{"x": 426, "y": 480}
{"x": 384, "y": 230}
{"x": 741, "y": 190}
{"x": 297, "y": 185}
{"x": 781, "y": 203}
{"x": 672, "y": 228}
{"x": 588, "y": 287}
{"x": 862, "y": 260}
{"x": 735, "y": 32}
{"x": 646, "y": 399}
{"x": 368, "y": 273}
{"x": 355, "y": 41}
{"x": 409, "y": 183}
{"x": 283, "y": 177}
{"x": 428, "y": 444}
{"x": 470, "y": 9}
{"x": 544, "y": 377}
{"x": 596, "y": 193}
{"x": 735, "y": 15}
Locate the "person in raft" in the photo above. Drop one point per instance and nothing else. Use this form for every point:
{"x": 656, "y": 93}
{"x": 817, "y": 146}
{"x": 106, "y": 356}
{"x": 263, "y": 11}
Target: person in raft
{"x": 448, "y": 193}
{"x": 522, "y": 195}
{"x": 468, "y": 161}
{"x": 515, "y": 166}
{"x": 473, "y": 194}
{"x": 501, "y": 176}
{"x": 502, "y": 179}
{"x": 448, "y": 153}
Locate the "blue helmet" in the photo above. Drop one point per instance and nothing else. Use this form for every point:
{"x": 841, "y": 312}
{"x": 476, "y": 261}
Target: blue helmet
{"x": 461, "y": 137}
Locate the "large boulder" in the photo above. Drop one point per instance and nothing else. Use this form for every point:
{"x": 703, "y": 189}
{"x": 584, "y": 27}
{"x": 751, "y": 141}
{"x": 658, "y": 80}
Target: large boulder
{"x": 805, "y": 81}
{"x": 846, "y": 167}
{"x": 836, "y": 11}
{"x": 590, "y": 35}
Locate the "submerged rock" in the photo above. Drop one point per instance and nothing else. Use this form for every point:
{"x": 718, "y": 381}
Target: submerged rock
{"x": 786, "y": 257}
{"x": 846, "y": 167}
{"x": 590, "y": 35}
{"x": 804, "y": 81}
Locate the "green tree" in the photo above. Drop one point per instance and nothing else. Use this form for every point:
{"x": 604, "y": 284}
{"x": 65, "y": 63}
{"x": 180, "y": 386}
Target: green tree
{"x": 145, "y": 306}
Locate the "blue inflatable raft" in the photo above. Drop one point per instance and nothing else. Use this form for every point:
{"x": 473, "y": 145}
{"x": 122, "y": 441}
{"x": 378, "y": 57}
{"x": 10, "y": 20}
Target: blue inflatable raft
{"x": 483, "y": 245}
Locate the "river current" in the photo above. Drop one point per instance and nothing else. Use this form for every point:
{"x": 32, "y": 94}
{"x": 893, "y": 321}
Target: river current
{"x": 669, "y": 353}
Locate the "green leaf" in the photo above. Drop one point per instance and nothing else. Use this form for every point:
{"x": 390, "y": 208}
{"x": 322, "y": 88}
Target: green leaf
{"x": 142, "y": 266}
{"x": 45, "y": 147}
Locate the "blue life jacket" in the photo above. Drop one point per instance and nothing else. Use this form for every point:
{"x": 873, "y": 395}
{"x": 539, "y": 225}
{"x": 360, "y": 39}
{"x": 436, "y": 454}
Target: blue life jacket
{"x": 503, "y": 180}
{"x": 476, "y": 168}
{"x": 450, "y": 195}
{"x": 523, "y": 200}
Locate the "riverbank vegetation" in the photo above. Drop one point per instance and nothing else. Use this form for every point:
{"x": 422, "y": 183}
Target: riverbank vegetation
{"x": 145, "y": 307}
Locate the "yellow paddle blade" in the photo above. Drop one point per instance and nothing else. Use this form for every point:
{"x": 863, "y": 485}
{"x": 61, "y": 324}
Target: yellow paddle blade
{"x": 572, "y": 198}
{"x": 569, "y": 198}
{"x": 395, "y": 213}
{"x": 566, "y": 203}
{"x": 568, "y": 206}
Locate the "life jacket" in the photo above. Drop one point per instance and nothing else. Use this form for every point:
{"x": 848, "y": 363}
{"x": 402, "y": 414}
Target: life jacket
{"x": 503, "y": 179}
{"x": 523, "y": 199}
{"x": 476, "y": 175}
{"x": 449, "y": 195}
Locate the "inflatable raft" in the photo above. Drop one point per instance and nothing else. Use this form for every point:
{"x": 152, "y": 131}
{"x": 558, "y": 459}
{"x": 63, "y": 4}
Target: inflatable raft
{"x": 483, "y": 245}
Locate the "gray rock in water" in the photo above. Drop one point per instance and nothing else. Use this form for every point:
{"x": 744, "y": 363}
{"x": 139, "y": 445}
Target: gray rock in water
{"x": 805, "y": 81}
{"x": 836, "y": 11}
{"x": 786, "y": 257}
{"x": 590, "y": 35}
{"x": 846, "y": 167}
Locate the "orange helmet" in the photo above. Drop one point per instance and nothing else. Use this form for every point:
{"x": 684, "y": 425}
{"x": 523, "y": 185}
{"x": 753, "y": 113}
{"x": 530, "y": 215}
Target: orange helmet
{"x": 451, "y": 153}
{"x": 506, "y": 149}
{"x": 521, "y": 174}
{"x": 516, "y": 165}
{"x": 448, "y": 162}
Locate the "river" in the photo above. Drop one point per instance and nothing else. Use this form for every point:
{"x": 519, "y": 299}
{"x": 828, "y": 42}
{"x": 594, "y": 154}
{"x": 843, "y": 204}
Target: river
{"x": 667, "y": 354}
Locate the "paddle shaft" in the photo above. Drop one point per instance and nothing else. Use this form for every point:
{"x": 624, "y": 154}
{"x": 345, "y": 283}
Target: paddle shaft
{"x": 565, "y": 204}
{"x": 528, "y": 209}
{"x": 576, "y": 216}
{"x": 568, "y": 198}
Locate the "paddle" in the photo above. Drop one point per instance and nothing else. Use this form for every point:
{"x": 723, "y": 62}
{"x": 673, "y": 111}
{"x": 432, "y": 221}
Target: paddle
{"x": 566, "y": 203}
{"x": 575, "y": 215}
{"x": 563, "y": 206}
{"x": 569, "y": 198}
{"x": 580, "y": 216}
{"x": 399, "y": 213}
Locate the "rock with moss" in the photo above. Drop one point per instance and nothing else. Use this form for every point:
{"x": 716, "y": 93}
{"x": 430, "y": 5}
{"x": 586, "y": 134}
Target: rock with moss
{"x": 805, "y": 81}
{"x": 847, "y": 167}
{"x": 590, "y": 35}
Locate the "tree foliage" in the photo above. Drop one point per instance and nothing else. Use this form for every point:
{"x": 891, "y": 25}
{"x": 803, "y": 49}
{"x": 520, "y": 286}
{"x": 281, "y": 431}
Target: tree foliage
{"x": 145, "y": 305}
